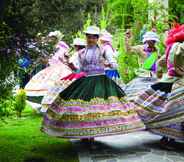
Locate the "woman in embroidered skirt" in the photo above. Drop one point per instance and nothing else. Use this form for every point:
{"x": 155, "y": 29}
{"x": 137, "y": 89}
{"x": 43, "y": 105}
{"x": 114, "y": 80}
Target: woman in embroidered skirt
{"x": 163, "y": 114}
{"x": 91, "y": 106}
{"x": 62, "y": 82}
{"x": 39, "y": 85}
{"x": 175, "y": 63}
{"x": 148, "y": 53}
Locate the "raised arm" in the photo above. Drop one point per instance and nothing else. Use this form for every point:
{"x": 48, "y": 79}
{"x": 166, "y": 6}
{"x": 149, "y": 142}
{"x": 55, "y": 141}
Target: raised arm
{"x": 138, "y": 49}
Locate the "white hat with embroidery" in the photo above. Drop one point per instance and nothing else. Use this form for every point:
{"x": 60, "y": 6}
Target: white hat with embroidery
{"x": 150, "y": 36}
{"x": 105, "y": 36}
{"x": 79, "y": 42}
{"x": 56, "y": 34}
{"x": 93, "y": 30}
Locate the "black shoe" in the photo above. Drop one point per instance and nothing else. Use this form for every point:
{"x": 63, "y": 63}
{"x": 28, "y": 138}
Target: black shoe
{"x": 167, "y": 143}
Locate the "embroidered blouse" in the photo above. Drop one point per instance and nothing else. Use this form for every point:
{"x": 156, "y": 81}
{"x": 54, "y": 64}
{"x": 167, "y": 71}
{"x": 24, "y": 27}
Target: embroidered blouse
{"x": 108, "y": 50}
{"x": 92, "y": 60}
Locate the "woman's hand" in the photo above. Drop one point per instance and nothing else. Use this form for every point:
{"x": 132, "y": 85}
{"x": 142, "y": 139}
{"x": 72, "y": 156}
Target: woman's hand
{"x": 107, "y": 65}
{"x": 159, "y": 74}
{"x": 179, "y": 70}
{"x": 128, "y": 34}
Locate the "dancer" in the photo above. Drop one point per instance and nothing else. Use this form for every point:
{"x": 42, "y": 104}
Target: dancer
{"x": 93, "y": 105}
{"x": 39, "y": 85}
{"x": 174, "y": 59}
{"x": 63, "y": 82}
{"x": 73, "y": 61}
{"x": 78, "y": 44}
{"x": 148, "y": 56}
{"x": 106, "y": 45}
{"x": 61, "y": 48}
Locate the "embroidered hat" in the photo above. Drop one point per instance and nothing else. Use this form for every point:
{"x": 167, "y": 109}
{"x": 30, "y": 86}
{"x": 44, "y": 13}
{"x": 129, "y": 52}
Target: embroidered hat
{"x": 56, "y": 34}
{"x": 150, "y": 36}
{"x": 93, "y": 30}
{"x": 105, "y": 36}
{"x": 176, "y": 34}
{"x": 79, "y": 42}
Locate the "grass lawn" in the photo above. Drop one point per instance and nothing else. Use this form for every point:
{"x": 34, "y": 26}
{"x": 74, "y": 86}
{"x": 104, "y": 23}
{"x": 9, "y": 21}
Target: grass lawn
{"x": 22, "y": 141}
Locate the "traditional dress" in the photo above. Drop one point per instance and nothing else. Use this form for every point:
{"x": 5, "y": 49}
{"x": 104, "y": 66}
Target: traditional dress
{"x": 107, "y": 49}
{"x": 110, "y": 72}
{"x": 175, "y": 103}
{"x": 39, "y": 85}
{"x": 60, "y": 54}
{"x": 146, "y": 73}
{"x": 160, "y": 116}
{"x": 138, "y": 85}
{"x": 91, "y": 106}
{"x": 79, "y": 44}
{"x": 63, "y": 82}
{"x": 49, "y": 78}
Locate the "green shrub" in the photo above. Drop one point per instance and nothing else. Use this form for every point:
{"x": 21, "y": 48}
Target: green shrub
{"x": 127, "y": 62}
{"x": 6, "y": 107}
{"x": 20, "y": 102}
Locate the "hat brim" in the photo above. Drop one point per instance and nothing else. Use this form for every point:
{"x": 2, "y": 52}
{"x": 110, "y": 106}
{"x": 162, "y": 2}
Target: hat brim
{"x": 150, "y": 39}
{"x": 52, "y": 35}
{"x": 91, "y": 33}
{"x": 78, "y": 44}
{"x": 105, "y": 39}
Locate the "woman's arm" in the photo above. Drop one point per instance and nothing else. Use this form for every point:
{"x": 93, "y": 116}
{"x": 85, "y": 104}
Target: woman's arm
{"x": 138, "y": 49}
{"x": 109, "y": 56}
{"x": 161, "y": 64}
{"x": 74, "y": 61}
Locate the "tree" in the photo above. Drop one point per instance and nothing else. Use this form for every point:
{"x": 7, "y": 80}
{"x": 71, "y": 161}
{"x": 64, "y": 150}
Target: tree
{"x": 22, "y": 19}
{"x": 33, "y": 16}
{"x": 176, "y": 10}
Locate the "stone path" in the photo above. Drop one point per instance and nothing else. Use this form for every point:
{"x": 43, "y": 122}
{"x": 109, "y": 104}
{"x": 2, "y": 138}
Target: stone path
{"x": 134, "y": 147}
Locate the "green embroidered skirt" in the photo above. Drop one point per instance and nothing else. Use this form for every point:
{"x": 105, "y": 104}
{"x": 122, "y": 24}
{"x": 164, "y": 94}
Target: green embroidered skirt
{"x": 91, "y": 106}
